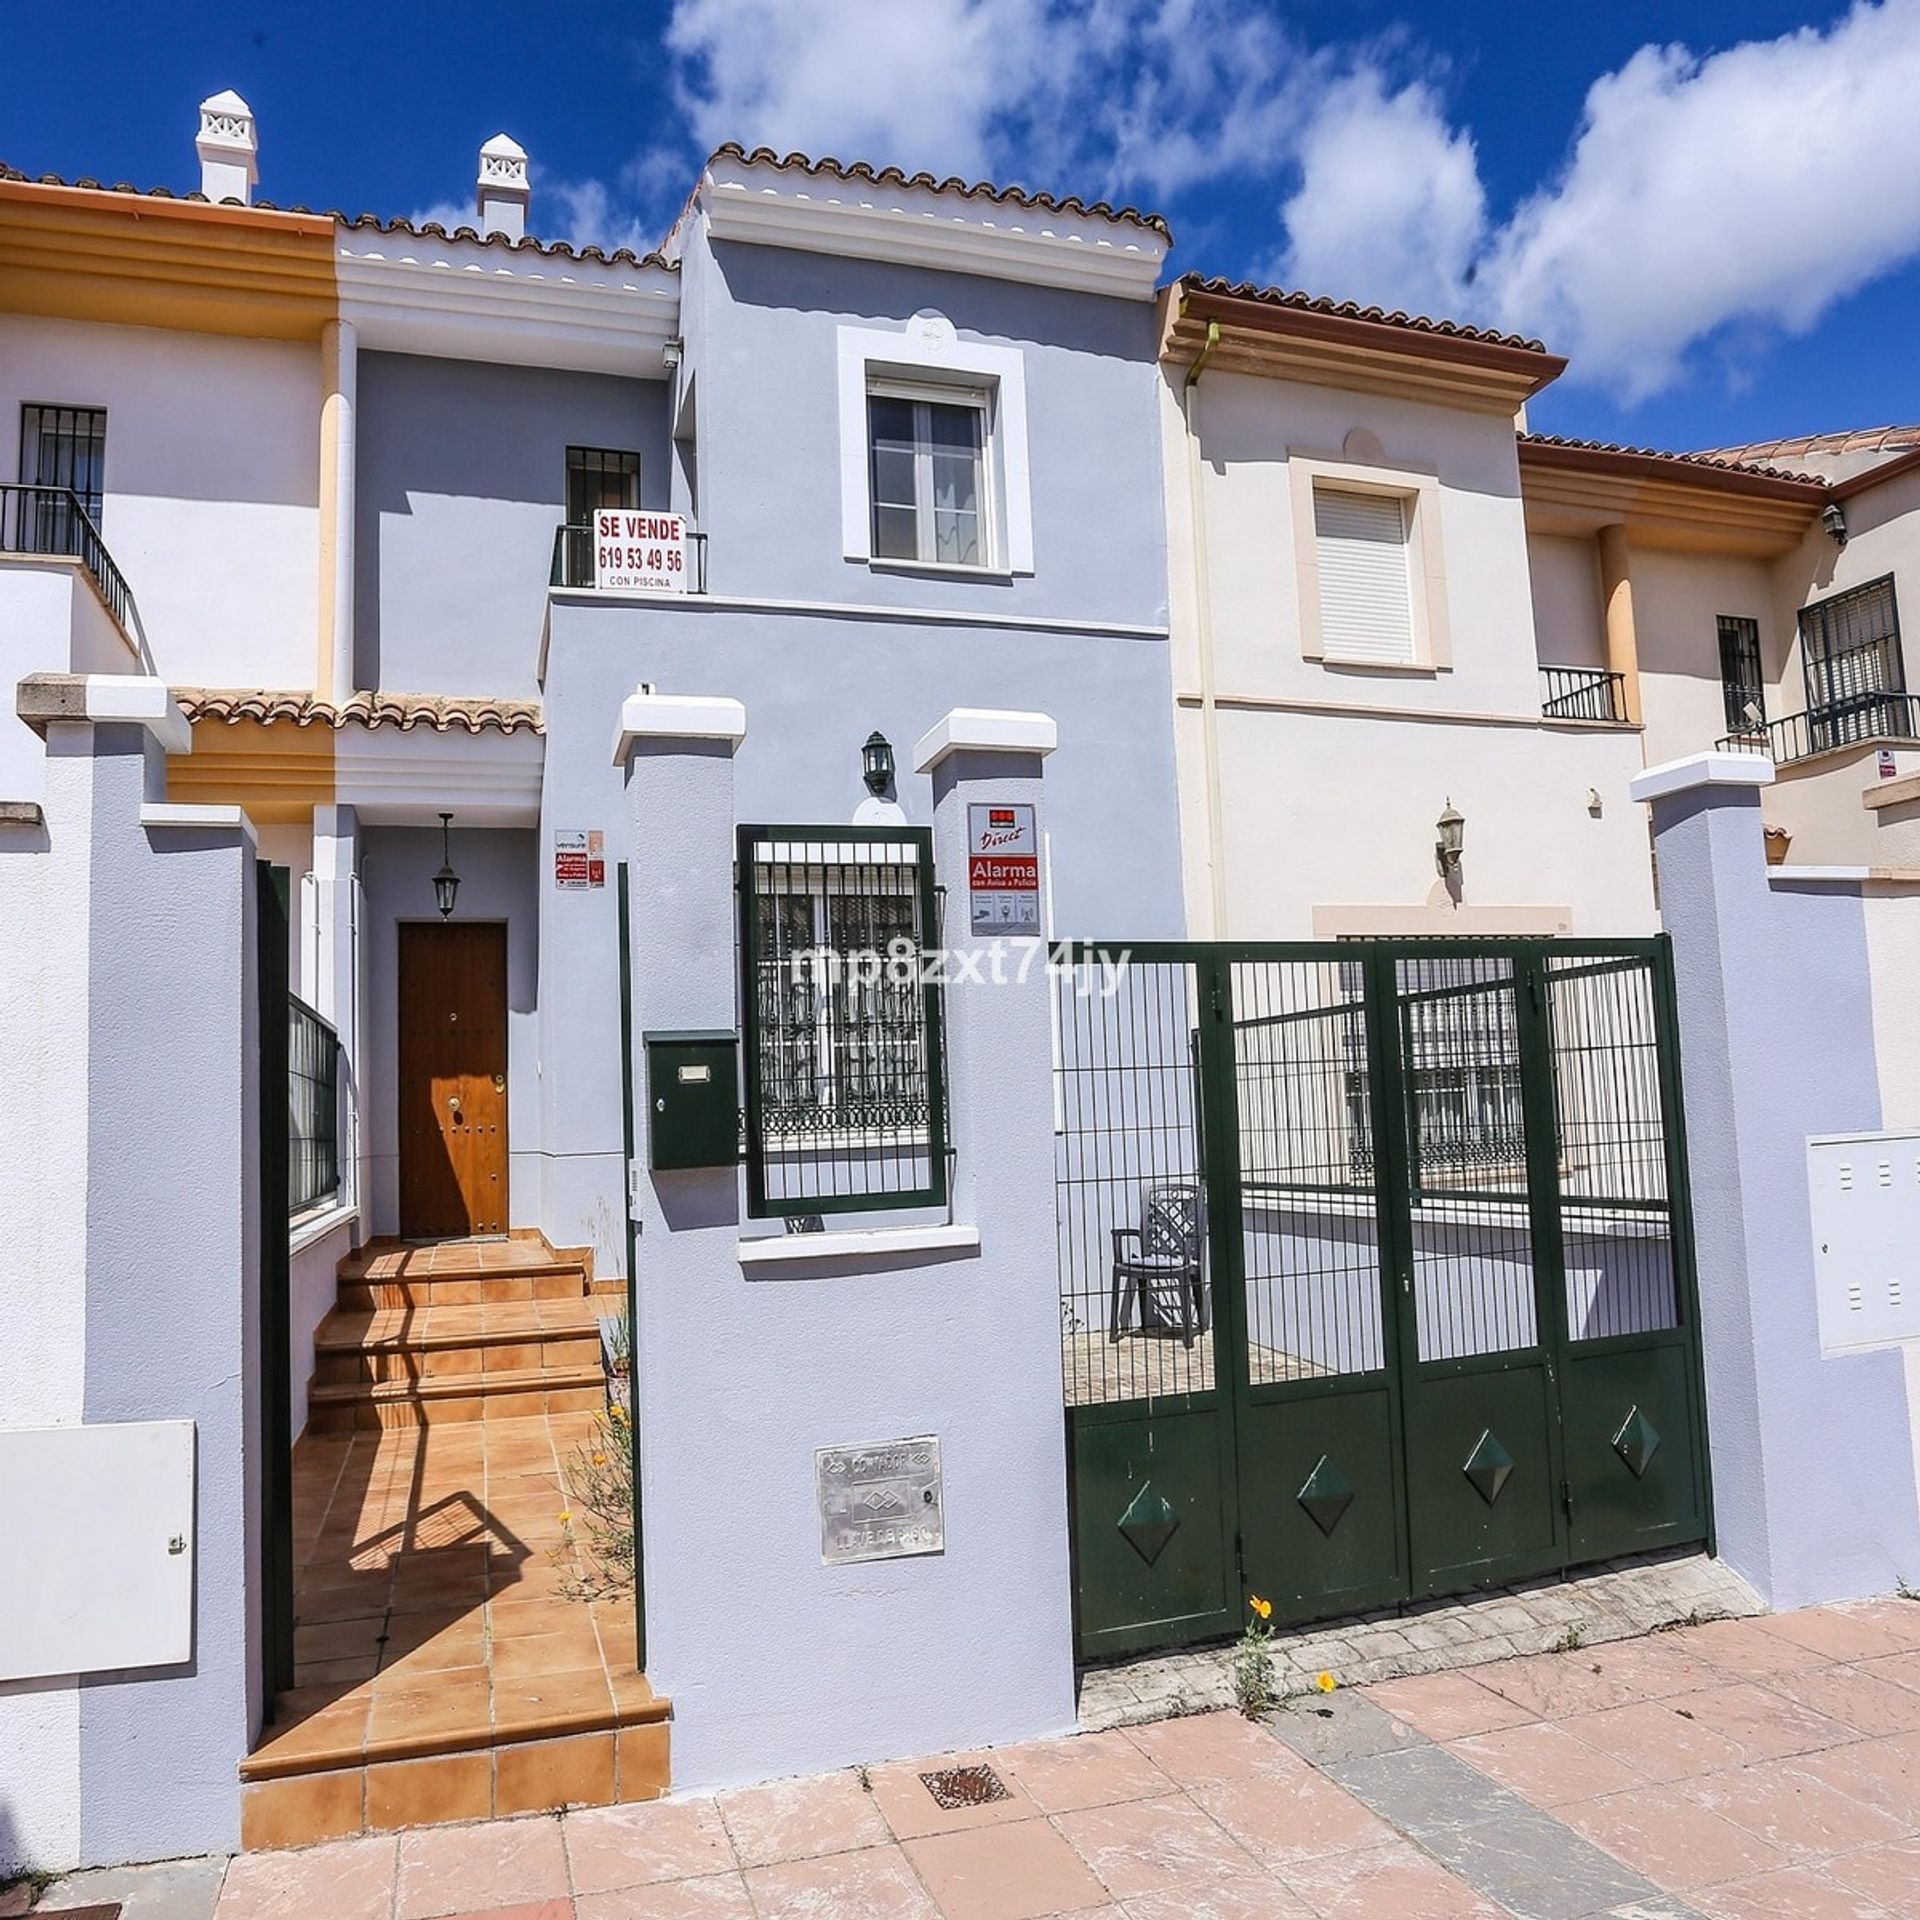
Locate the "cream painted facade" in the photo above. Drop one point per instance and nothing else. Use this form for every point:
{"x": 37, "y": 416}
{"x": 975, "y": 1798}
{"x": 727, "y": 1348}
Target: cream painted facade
{"x": 1310, "y": 788}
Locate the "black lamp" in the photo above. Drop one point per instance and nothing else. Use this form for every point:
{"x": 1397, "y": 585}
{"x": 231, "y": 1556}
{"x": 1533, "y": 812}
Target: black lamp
{"x": 1833, "y": 516}
{"x": 1452, "y": 830}
{"x": 876, "y": 763}
{"x": 446, "y": 883}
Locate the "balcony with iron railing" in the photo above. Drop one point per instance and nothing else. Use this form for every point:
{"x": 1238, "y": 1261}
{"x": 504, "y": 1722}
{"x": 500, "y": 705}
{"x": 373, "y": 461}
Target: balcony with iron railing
{"x": 1583, "y": 693}
{"x": 1866, "y": 720}
{"x": 54, "y": 522}
{"x": 667, "y": 567}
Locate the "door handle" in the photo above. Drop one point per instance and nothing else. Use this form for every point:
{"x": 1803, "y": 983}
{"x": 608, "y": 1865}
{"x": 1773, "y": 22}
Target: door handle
{"x": 453, "y": 1105}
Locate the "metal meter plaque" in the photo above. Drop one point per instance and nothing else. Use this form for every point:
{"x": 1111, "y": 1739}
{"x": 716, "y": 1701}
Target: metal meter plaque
{"x": 880, "y": 1502}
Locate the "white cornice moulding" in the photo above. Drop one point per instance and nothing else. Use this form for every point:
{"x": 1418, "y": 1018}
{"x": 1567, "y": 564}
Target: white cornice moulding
{"x": 677, "y": 716}
{"x": 1702, "y": 770}
{"x": 395, "y": 778}
{"x": 143, "y": 701}
{"x": 883, "y": 1243}
{"x": 410, "y": 293}
{"x": 916, "y": 226}
{"x": 168, "y": 813}
{"x": 985, "y": 730}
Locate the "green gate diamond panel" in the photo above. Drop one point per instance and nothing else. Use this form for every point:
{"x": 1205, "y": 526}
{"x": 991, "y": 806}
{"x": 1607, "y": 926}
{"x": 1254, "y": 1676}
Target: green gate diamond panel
{"x": 1637, "y": 1442}
{"x": 1148, "y": 1523}
{"x": 1489, "y": 1466}
{"x": 1327, "y": 1495}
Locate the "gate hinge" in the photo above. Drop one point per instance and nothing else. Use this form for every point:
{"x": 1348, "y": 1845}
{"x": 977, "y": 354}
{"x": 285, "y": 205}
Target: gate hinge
{"x": 1566, "y": 1497}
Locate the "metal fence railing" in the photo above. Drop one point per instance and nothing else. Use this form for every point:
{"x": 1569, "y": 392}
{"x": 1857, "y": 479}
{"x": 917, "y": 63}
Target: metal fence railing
{"x": 313, "y": 1108}
{"x": 1866, "y": 720}
{"x": 1583, "y": 693}
{"x": 573, "y": 558}
{"x": 55, "y": 521}
{"x": 840, "y": 1020}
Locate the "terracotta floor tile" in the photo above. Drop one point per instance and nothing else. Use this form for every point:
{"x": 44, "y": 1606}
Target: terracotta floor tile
{"x": 1153, "y": 1846}
{"x": 1545, "y": 1765}
{"x": 1447, "y": 1706}
{"x": 1890, "y": 1875}
{"x": 1261, "y": 1898}
{"x": 721, "y": 1896}
{"x": 801, "y": 1819}
{"x": 555, "y": 1701}
{"x": 1656, "y": 1740}
{"x": 1552, "y": 1686}
{"x": 1677, "y": 1845}
{"x": 1794, "y": 1811}
{"x": 1798, "y": 1893}
{"x": 450, "y": 1870}
{"x": 1084, "y": 1770}
{"x": 430, "y": 1718}
{"x": 1298, "y": 1816}
{"x": 1838, "y": 1633}
{"x": 1389, "y": 1882}
{"x": 1200, "y": 1749}
{"x": 344, "y": 1880}
{"x": 875, "y": 1884}
{"x": 1016, "y": 1872}
{"x": 1765, "y": 1725}
{"x": 907, "y": 1804}
{"x": 610, "y": 1848}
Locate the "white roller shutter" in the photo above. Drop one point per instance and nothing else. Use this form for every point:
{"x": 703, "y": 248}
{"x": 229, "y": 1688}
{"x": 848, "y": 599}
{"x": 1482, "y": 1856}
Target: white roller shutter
{"x": 1366, "y": 600}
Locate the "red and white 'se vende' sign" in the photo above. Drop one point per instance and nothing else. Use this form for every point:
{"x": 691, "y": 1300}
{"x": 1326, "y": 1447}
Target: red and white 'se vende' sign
{"x": 641, "y": 552}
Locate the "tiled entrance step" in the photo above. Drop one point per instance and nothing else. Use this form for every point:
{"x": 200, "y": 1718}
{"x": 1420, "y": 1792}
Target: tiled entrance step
{"x": 467, "y": 1273}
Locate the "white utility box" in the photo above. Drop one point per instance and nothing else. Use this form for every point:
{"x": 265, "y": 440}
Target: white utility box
{"x": 96, "y": 1548}
{"x": 1865, "y": 1194}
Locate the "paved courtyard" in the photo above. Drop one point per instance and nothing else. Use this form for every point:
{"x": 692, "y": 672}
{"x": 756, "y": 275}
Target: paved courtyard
{"x": 1747, "y": 1769}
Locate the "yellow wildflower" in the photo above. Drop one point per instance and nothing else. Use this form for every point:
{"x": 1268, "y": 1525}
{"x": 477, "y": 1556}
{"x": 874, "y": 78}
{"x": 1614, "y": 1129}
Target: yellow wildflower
{"x": 1325, "y": 1682}
{"x": 566, "y": 1520}
{"x": 1264, "y": 1608}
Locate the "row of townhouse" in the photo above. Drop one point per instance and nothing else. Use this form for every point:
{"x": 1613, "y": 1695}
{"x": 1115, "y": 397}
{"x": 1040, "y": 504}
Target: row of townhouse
{"x": 1315, "y": 639}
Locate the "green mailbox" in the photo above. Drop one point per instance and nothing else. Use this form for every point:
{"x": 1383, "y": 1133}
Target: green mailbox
{"x": 693, "y": 1100}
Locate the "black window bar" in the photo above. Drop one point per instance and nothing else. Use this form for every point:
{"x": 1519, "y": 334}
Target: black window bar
{"x": 1856, "y": 677}
{"x": 1743, "y": 690}
{"x": 313, "y": 1108}
{"x": 840, "y": 1021}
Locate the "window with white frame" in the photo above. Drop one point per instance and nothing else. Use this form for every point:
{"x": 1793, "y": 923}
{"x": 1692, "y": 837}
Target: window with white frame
{"x": 1362, "y": 545}
{"x": 926, "y": 463}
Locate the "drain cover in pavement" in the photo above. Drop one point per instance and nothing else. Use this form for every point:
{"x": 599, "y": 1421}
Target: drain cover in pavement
{"x": 958, "y": 1787}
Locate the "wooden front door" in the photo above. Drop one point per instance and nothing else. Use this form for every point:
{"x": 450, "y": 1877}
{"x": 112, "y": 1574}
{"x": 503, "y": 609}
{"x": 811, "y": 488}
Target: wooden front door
{"x": 453, "y": 1079}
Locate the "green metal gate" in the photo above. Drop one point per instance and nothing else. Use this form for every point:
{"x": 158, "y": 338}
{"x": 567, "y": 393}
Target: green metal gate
{"x": 1376, "y": 1274}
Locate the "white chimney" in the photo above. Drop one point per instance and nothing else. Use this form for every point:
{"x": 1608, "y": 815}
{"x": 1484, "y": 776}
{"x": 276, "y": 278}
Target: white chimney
{"x": 503, "y": 187}
{"x": 228, "y": 149}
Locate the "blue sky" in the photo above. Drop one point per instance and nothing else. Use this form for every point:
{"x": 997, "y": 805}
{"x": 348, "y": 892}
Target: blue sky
{"x": 1715, "y": 209}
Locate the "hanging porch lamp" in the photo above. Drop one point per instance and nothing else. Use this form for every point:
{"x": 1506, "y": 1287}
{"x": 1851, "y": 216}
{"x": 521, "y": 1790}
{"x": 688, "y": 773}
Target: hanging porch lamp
{"x": 446, "y": 883}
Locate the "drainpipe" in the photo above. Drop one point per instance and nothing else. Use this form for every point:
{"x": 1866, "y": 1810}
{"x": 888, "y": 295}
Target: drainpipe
{"x": 1203, "y": 635}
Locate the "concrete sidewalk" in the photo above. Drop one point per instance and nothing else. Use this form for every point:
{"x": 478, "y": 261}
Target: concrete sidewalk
{"x": 1743, "y": 1770}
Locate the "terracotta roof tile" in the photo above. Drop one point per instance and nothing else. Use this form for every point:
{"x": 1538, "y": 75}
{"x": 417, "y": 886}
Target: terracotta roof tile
{"x": 1720, "y": 462}
{"x": 1847, "y": 440}
{"x": 1352, "y": 310}
{"x": 440, "y": 713}
{"x": 967, "y": 189}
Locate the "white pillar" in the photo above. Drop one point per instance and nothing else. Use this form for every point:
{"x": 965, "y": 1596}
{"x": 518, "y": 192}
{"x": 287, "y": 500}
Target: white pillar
{"x": 330, "y": 966}
{"x": 340, "y": 366}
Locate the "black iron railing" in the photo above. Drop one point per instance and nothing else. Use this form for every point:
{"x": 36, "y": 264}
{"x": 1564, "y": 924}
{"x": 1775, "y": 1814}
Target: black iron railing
{"x": 54, "y": 520}
{"x": 1583, "y": 693}
{"x": 1864, "y": 721}
{"x": 573, "y": 558}
{"x": 313, "y": 1108}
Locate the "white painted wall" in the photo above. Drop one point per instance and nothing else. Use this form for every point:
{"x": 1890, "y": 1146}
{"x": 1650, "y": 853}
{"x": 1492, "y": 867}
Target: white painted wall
{"x": 51, "y": 621}
{"x": 1677, "y": 601}
{"x": 1568, "y": 622}
{"x": 212, "y": 484}
{"x": 312, "y": 1288}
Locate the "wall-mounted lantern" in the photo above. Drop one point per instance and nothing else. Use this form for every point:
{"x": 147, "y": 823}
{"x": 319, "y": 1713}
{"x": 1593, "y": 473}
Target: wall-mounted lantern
{"x": 1833, "y": 516}
{"x": 876, "y": 764}
{"x": 1451, "y": 828}
{"x": 446, "y": 883}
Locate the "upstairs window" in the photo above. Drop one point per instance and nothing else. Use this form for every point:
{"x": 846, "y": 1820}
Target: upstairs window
{"x": 1366, "y": 589}
{"x": 600, "y": 477}
{"x": 927, "y": 474}
{"x": 66, "y": 447}
{"x": 1742, "y": 689}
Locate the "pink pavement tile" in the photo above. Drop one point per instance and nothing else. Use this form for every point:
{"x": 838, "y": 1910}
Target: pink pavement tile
{"x": 1857, "y": 1696}
{"x": 1546, "y": 1765}
{"x": 1656, "y": 1739}
{"x": 1299, "y": 1817}
{"x": 1551, "y": 1686}
{"x": 1901, "y": 1668}
{"x": 1447, "y": 1706}
{"x": 1746, "y": 1647}
{"x": 560, "y": 1909}
{"x": 801, "y": 1819}
{"x": 634, "y": 1846}
{"x": 907, "y": 1804}
{"x": 1389, "y": 1882}
{"x": 1677, "y": 1845}
{"x": 1017, "y": 1872}
{"x": 1153, "y": 1846}
{"x": 874, "y": 1884}
{"x": 1792, "y": 1810}
{"x": 717, "y": 1896}
{"x": 1655, "y": 1667}
{"x": 459, "y": 1870}
{"x": 345, "y": 1880}
{"x": 1898, "y": 1614}
{"x": 1838, "y": 1633}
{"x": 1200, "y": 1749}
{"x": 1763, "y": 1724}
{"x": 1800, "y": 1893}
{"x": 1258, "y": 1899}
{"x": 1884, "y": 1773}
{"x": 1084, "y": 1770}
{"x": 1890, "y": 1875}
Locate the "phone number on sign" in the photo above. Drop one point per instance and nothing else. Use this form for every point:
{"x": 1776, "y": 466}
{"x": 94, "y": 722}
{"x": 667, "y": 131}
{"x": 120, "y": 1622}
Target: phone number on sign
{"x": 639, "y": 559}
